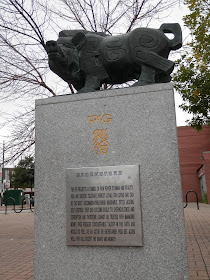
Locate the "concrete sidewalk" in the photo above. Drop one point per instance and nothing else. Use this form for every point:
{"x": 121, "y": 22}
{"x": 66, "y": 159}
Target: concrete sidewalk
{"x": 16, "y": 243}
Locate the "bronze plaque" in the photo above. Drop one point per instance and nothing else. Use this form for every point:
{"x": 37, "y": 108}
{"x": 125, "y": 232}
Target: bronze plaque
{"x": 103, "y": 206}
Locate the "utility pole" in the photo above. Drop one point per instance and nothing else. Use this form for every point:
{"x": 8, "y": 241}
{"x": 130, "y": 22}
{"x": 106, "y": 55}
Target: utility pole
{"x": 3, "y": 159}
{"x": 3, "y": 162}
{"x": 2, "y": 177}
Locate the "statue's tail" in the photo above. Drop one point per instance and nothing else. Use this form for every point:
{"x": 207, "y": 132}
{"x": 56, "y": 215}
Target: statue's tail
{"x": 175, "y": 29}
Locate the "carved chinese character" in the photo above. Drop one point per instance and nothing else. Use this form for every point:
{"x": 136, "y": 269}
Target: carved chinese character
{"x": 100, "y": 141}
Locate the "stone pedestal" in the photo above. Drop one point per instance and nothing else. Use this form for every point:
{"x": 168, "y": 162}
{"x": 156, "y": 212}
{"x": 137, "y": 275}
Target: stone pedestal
{"x": 130, "y": 126}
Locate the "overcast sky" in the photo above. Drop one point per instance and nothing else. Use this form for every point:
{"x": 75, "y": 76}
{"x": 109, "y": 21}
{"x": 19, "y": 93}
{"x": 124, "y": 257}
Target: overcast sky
{"x": 175, "y": 16}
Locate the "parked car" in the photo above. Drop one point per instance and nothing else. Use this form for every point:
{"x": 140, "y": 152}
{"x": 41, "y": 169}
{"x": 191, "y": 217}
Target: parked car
{"x": 27, "y": 199}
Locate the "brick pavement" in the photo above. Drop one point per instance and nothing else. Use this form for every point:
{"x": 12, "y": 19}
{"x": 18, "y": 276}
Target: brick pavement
{"x": 16, "y": 246}
{"x": 16, "y": 243}
{"x": 197, "y": 223}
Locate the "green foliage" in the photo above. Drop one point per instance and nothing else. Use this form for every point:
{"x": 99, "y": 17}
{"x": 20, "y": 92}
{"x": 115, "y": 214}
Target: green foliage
{"x": 192, "y": 78}
{"x": 23, "y": 175}
{"x": 205, "y": 198}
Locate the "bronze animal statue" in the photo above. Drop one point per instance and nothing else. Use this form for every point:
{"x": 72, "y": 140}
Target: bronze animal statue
{"x": 87, "y": 59}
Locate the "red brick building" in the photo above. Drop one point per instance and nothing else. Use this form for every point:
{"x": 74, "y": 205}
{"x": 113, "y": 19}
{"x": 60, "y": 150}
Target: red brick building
{"x": 194, "y": 154}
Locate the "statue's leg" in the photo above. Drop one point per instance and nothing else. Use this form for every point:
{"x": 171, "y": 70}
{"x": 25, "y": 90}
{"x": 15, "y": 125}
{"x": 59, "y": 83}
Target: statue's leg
{"x": 147, "y": 76}
{"x": 92, "y": 83}
{"x": 94, "y": 75}
{"x": 150, "y": 62}
{"x": 161, "y": 77}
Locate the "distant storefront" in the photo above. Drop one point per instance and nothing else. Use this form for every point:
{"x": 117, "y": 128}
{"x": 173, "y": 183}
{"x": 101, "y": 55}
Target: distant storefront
{"x": 194, "y": 154}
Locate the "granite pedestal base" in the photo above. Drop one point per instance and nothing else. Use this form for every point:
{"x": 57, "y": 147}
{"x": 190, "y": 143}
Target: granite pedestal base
{"x": 130, "y": 126}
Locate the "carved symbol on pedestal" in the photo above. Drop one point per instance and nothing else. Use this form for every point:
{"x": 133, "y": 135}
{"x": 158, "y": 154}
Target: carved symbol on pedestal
{"x": 100, "y": 136}
{"x": 100, "y": 141}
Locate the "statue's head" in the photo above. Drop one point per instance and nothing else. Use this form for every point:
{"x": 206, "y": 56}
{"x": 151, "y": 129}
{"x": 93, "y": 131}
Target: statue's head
{"x": 64, "y": 60}
{"x": 60, "y": 50}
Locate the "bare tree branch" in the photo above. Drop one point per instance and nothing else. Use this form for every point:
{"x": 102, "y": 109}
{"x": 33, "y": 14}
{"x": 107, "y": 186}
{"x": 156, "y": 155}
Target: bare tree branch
{"x": 24, "y": 70}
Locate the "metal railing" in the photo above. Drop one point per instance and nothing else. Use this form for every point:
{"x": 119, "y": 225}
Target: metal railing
{"x": 20, "y": 210}
{"x": 196, "y": 198}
